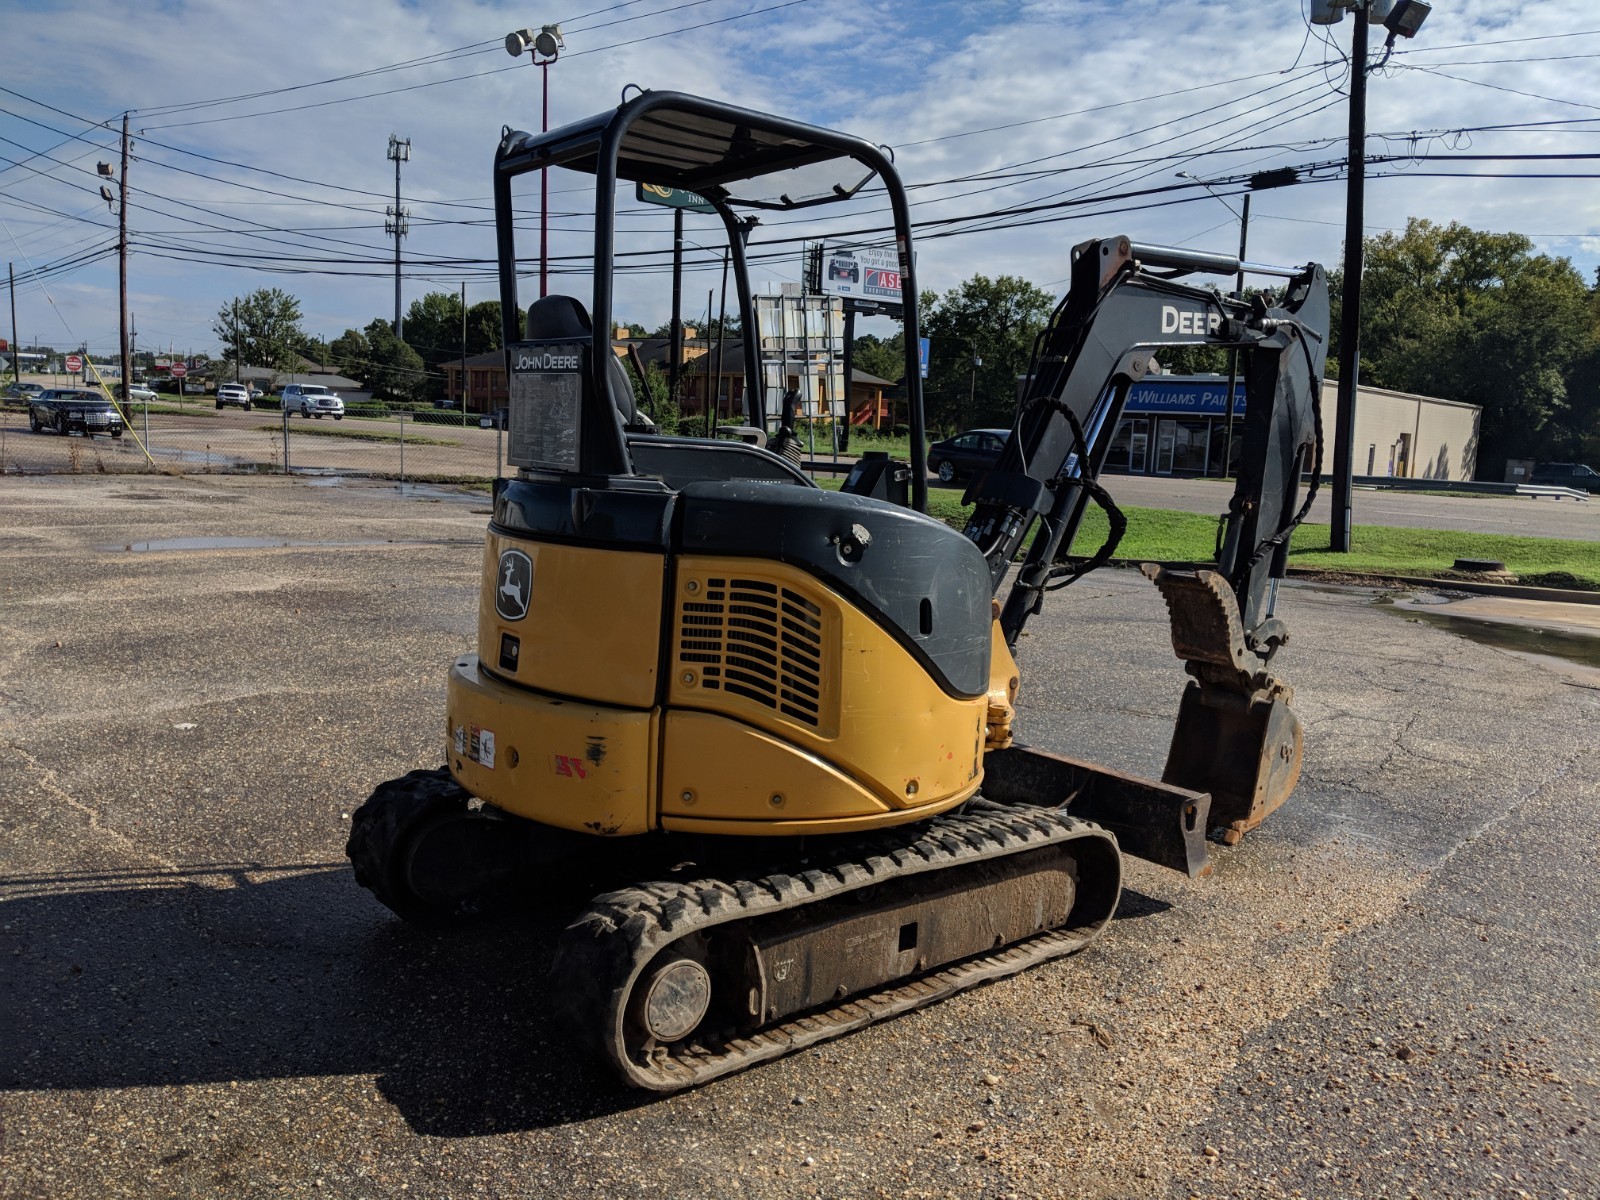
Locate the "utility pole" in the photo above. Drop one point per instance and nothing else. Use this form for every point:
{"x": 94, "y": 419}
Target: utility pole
{"x": 1233, "y": 355}
{"x": 397, "y": 224}
{"x": 463, "y": 372}
{"x": 238, "y": 351}
{"x": 16, "y": 341}
{"x": 675, "y": 331}
{"x": 122, "y": 270}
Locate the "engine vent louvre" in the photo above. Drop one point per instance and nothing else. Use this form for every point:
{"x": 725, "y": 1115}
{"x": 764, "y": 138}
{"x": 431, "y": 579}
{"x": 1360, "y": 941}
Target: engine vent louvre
{"x": 758, "y": 640}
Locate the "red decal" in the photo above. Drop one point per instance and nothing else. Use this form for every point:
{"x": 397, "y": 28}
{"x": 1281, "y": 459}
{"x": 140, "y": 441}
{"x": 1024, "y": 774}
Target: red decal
{"x": 571, "y": 767}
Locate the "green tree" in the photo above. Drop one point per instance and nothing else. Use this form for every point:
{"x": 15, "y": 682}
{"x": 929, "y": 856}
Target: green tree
{"x": 981, "y": 336}
{"x": 433, "y": 329}
{"x": 883, "y": 357}
{"x": 483, "y": 328}
{"x": 261, "y": 330}
{"x": 394, "y": 370}
{"x": 349, "y": 354}
{"x": 1470, "y": 315}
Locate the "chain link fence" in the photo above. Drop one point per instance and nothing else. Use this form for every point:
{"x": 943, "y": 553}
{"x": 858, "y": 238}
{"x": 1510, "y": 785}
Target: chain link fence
{"x": 194, "y": 435}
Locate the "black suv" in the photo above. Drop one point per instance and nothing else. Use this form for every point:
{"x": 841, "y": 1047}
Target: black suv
{"x": 1571, "y": 475}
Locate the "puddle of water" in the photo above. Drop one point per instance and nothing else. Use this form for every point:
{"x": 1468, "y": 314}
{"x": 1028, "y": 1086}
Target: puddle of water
{"x": 230, "y": 543}
{"x": 1524, "y": 639}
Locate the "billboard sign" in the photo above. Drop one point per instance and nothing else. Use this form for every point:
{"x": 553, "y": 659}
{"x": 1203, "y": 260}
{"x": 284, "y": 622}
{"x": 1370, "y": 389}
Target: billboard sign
{"x": 654, "y": 193}
{"x": 861, "y": 272}
{"x": 922, "y": 357}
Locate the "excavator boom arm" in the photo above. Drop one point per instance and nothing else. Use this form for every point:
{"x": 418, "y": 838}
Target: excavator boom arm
{"x": 1125, "y": 304}
{"x": 1236, "y": 736}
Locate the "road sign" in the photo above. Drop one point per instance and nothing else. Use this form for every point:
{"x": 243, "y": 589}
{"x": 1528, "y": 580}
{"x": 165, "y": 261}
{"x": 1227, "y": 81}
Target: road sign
{"x": 179, "y": 370}
{"x": 654, "y": 193}
{"x": 74, "y": 363}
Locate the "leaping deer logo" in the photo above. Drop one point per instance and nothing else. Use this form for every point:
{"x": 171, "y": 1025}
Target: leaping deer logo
{"x": 516, "y": 574}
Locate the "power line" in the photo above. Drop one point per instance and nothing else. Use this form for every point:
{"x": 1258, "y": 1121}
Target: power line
{"x": 481, "y": 74}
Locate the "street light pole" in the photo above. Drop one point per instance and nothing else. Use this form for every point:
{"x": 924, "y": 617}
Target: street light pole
{"x": 1402, "y": 18}
{"x": 544, "y": 186}
{"x": 1350, "y": 309}
{"x": 545, "y": 46}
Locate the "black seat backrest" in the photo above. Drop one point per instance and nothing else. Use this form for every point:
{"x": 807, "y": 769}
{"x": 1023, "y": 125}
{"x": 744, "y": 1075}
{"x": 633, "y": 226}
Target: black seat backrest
{"x": 554, "y": 318}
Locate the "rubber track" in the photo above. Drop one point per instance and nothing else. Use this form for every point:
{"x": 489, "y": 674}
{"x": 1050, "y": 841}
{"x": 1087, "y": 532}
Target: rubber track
{"x": 604, "y": 950}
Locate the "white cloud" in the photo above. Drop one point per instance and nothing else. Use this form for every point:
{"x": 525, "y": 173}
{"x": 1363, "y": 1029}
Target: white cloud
{"x": 894, "y": 71}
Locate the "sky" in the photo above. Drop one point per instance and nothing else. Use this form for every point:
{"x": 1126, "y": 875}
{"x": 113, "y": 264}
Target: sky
{"x": 260, "y": 137}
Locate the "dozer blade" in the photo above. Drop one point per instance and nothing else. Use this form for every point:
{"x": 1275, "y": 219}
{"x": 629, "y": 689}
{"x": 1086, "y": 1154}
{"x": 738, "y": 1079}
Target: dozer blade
{"x": 1236, "y": 736}
{"x": 1154, "y": 821}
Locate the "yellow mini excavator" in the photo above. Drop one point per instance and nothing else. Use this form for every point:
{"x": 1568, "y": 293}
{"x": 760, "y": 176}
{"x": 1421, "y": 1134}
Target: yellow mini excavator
{"x": 771, "y": 724}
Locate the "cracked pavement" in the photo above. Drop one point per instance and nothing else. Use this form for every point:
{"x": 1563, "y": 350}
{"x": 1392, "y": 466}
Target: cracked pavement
{"x": 1390, "y": 989}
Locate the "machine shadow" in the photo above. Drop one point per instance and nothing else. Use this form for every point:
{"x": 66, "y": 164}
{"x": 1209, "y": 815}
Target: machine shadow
{"x": 240, "y": 973}
{"x": 1134, "y": 905}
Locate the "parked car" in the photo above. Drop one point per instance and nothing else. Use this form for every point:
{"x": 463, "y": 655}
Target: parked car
{"x": 976, "y": 450}
{"x": 233, "y": 393}
{"x": 1571, "y": 475}
{"x": 312, "y": 400}
{"x": 21, "y": 391}
{"x": 70, "y": 410}
{"x": 138, "y": 394}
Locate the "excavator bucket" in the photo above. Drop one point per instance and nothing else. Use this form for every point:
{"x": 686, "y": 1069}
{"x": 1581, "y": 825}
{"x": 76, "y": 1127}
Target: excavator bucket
{"x": 1245, "y": 752}
{"x": 1236, "y": 736}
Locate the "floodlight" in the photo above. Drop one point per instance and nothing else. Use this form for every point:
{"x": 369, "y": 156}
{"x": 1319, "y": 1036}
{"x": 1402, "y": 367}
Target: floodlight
{"x": 1378, "y": 10}
{"x": 1407, "y": 17}
{"x": 549, "y": 44}
{"x": 105, "y": 194}
{"x": 105, "y": 169}
{"x": 518, "y": 42}
{"x": 1327, "y": 12}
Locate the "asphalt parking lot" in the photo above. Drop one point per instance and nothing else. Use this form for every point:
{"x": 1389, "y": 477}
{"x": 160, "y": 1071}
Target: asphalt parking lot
{"x": 1390, "y": 989}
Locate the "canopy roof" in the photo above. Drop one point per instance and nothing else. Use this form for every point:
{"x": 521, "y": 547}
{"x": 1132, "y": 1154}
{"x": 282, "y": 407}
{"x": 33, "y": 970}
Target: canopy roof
{"x": 716, "y": 151}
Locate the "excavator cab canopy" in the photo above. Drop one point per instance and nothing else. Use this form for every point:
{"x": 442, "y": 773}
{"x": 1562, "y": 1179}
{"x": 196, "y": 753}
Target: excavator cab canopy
{"x": 736, "y": 160}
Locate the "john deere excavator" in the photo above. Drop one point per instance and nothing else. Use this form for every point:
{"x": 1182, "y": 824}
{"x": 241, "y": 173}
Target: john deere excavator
{"x": 776, "y": 720}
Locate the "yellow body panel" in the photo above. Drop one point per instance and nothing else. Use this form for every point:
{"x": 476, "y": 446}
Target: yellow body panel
{"x": 788, "y": 710}
{"x": 586, "y": 767}
{"x": 593, "y": 623}
{"x": 1004, "y": 682}
{"x": 771, "y": 647}
{"x": 718, "y": 774}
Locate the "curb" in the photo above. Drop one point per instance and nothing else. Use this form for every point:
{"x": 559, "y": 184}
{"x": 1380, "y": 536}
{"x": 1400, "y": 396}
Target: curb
{"x": 1509, "y": 591}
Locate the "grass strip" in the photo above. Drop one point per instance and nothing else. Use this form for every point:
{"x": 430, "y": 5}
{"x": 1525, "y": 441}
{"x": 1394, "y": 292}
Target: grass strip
{"x": 1166, "y": 535}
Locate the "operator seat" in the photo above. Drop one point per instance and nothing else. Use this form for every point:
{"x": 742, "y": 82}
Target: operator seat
{"x": 553, "y": 318}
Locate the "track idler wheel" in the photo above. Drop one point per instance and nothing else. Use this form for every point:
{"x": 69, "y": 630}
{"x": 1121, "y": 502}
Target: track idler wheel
{"x": 430, "y": 854}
